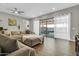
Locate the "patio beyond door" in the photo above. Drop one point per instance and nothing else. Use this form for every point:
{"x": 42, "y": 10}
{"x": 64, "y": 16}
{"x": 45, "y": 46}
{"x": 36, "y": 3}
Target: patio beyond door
{"x": 47, "y": 27}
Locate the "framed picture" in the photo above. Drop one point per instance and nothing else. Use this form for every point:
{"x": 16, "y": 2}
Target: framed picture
{"x": 11, "y": 22}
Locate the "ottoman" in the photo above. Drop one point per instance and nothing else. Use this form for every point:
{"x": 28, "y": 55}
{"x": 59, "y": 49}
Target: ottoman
{"x": 32, "y": 40}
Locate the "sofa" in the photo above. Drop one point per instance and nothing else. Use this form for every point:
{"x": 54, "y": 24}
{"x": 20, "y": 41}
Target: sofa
{"x": 13, "y": 47}
{"x": 28, "y": 37}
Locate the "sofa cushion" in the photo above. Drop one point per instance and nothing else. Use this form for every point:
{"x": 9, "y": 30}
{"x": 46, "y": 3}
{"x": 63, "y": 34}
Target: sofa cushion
{"x": 15, "y": 32}
{"x": 8, "y": 45}
{"x": 7, "y": 33}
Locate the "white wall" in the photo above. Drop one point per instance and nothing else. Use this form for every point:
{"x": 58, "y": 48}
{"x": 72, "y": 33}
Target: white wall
{"x": 36, "y": 26}
{"x": 20, "y": 21}
{"x": 74, "y": 26}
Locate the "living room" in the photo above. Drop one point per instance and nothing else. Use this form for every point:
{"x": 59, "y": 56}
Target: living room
{"x": 25, "y": 32}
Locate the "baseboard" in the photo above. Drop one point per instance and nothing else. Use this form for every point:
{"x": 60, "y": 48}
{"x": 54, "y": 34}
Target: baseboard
{"x": 66, "y": 39}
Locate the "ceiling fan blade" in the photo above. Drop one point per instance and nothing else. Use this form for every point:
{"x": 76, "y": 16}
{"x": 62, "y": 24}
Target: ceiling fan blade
{"x": 11, "y": 10}
{"x": 15, "y": 9}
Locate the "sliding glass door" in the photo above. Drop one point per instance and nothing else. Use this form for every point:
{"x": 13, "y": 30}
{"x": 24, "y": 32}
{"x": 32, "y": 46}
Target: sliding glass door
{"x": 62, "y": 26}
{"x": 58, "y": 27}
{"x": 47, "y": 27}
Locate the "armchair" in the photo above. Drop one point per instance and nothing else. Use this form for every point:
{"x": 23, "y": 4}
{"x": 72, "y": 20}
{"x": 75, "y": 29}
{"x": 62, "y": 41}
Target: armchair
{"x": 23, "y": 51}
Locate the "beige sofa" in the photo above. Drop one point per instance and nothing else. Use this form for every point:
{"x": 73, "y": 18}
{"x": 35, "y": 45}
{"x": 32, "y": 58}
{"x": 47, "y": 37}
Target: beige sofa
{"x": 28, "y": 38}
{"x": 13, "y": 47}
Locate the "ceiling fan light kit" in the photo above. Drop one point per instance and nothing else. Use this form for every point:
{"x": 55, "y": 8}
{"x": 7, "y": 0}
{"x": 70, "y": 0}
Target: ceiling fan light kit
{"x": 16, "y": 11}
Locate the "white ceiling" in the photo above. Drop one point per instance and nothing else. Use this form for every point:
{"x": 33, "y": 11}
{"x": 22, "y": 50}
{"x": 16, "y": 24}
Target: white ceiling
{"x": 35, "y": 9}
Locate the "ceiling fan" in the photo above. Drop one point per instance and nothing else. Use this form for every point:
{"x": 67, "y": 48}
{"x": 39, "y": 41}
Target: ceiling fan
{"x": 16, "y": 11}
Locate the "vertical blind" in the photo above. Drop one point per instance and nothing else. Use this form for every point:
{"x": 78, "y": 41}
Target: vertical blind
{"x": 62, "y": 26}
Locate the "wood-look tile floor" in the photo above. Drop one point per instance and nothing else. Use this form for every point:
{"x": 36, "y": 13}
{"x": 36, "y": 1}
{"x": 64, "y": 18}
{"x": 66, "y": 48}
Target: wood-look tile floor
{"x": 55, "y": 47}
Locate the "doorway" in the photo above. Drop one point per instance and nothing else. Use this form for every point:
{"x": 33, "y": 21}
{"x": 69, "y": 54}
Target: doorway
{"x": 47, "y": 27}
{"x": 56, "y": 27}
